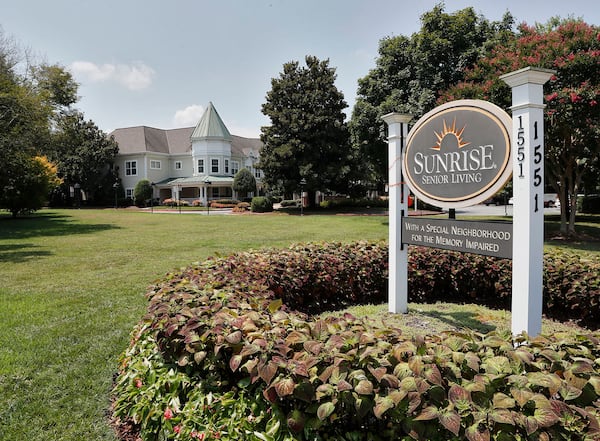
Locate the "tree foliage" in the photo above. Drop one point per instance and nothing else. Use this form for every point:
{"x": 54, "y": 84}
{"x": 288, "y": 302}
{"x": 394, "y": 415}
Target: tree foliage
{"x": 572, "y": 125}
{"x": 244, "y": 182}
{"x": 142, "y": 193}
{"x": 28, "y": 185}
{"x": 411, "y": 72}
{"x": 37, "y": 118}
{"x": 307, "y": 137}
{"x": 84, "y": 155}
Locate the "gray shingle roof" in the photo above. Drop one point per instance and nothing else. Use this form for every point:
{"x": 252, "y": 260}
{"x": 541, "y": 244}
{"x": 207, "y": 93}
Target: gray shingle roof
{"x": 142, "y": 139}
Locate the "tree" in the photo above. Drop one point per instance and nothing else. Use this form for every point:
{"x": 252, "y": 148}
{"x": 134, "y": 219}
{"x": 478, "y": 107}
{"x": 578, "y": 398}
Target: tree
{"x": 84, "y": 155}
{"x": 411, "y": 72}
{"x": 142, "y": 192}
{"x": 24, "y": 117}
{"x": 244, "y": 182}
{"x": 28, "y": 189}
{"x": 307, "y": 137}
{"x": 572, "y": 126}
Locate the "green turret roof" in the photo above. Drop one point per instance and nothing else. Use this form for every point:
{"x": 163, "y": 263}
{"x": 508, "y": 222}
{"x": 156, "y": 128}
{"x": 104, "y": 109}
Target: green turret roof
{"x": 210, "y": 126}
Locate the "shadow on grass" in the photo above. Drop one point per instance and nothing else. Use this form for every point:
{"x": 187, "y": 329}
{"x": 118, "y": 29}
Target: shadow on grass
{"x": 18, "y": 253}
{"x": 39, "y": 225}
{"x": 587, "y": 237}
{"x": 460, "y": 319}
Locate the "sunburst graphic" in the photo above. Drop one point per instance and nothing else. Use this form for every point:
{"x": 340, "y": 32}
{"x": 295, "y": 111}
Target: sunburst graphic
{"x": 450, "y": 131}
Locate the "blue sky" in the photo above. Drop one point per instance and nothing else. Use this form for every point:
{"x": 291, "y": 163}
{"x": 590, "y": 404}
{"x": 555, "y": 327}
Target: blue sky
{"x": 158, "y": 63}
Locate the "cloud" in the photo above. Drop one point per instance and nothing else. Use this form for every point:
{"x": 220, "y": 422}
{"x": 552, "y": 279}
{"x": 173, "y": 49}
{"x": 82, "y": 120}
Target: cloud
{"x": 189, "y": 116}
{"x": 134, "y": 76}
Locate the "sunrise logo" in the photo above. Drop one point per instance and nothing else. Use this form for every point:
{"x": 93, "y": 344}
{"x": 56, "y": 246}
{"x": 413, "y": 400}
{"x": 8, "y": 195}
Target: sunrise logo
{"x": 452, "y": 131}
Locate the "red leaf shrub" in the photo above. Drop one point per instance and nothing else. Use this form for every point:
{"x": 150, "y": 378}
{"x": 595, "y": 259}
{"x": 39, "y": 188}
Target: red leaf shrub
{"x": 225, "y": 349}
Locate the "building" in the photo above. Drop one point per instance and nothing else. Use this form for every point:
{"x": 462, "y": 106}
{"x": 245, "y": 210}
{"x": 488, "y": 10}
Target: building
{"x": 192, "y": 163}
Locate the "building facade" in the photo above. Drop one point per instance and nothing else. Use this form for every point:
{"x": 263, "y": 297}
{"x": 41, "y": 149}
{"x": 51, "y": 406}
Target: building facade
{"x": 191, "y": 164}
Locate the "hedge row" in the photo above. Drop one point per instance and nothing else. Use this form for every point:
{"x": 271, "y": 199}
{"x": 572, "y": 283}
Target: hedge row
{"x": 224, "y": 353}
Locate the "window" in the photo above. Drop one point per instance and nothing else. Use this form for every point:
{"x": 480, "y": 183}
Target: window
{"x": 130, "y": 168}
{"x": 214, "y": 166}
{"x": 200, "y": 165}
{"x": 215, "y": 192}
{"x": 227, "y": 166}
{"x": 155, "y": 165}
{"x": 178, "y": 165}
{"x": 129, "y": 192}
{"x": 235, "y": 167}
{"x": 257, "y": 173}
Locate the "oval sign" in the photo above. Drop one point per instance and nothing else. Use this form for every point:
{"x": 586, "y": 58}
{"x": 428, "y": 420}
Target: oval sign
{"x": 459, "y": 154}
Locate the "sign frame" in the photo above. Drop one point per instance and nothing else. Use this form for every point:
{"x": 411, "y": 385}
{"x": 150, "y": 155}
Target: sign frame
{"x": 480, "y": 152}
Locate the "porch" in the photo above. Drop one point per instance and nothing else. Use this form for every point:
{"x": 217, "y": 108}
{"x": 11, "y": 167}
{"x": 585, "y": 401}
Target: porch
{"x": 203, "y": 188}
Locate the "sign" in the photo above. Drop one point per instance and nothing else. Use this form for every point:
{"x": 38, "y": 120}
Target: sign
{"x": 459, "y": 154}
{"x": 485, "y": 238}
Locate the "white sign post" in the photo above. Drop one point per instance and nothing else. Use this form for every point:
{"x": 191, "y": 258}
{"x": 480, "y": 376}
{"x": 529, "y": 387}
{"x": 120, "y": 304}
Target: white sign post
{"x": 398, "y": 208}
{"x": 528, "y": 196}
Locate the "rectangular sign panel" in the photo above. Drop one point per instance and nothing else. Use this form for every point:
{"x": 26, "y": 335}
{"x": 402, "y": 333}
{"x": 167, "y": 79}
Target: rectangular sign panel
{"x": 485, "y": 238}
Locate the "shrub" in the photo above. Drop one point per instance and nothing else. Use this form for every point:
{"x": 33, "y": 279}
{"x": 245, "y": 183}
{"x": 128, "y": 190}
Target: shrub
{"x": 261, "y": 204}
{"x": 290, "y": 203}
{"x": 223, "y": 354}
{"x": 228, "y": 202}
{"x": 142, "y": 192}
{"x": 242, "y": 207}
{"x": 354, "y": 203}
{"x": 591, "y": 204}
{"x": 197, "y": 203}
{"x": 175, "y": 202}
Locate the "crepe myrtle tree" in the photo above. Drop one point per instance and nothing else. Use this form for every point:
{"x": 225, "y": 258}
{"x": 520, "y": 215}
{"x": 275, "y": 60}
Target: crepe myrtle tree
{"x": 572, "y": 96}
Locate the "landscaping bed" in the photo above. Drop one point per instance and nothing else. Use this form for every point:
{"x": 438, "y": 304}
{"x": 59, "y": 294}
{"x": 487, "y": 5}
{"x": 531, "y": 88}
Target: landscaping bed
{"x": 231, "y": 349}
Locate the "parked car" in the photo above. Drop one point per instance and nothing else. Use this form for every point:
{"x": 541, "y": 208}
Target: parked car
{"x": 550, "y": 200}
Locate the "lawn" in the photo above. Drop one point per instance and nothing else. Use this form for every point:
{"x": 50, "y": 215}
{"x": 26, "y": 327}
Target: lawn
{"x": 72, "y": 286}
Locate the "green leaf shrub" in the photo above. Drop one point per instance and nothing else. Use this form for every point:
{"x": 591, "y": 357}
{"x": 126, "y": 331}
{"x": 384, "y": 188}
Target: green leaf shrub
{"x": 261, "y": 204}
{"x": 354, "y": 203}
{"x": 290, "y": 203}
{"x": 228, "y": 351}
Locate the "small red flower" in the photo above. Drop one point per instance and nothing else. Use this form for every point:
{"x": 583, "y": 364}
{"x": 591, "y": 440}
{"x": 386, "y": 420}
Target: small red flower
{"x": 177, "y": 429}
{"x": 575, "y": 98}
{"x": 593, "y": 103}
{"x": 552, "y": 96}
{"x": 168, "y": 413}
{"x": 138, "y": 383}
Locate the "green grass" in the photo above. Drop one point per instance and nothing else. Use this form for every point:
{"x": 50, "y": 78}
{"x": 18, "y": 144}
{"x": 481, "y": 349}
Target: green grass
{"x": 72, "y": 286}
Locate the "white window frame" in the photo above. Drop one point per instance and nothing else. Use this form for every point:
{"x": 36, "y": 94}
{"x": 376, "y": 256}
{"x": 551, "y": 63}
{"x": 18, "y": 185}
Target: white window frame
{"x": 155, "y": 164}
{"x": 212, "y": 165}
{"x": 129, "y": 192}
{"x": 131, "y": 168}
{"x": 235, "y": 167}
{"x": 178, "y": 165}
{"x": 226, "y": 165}
{"x": 200, "y": 165}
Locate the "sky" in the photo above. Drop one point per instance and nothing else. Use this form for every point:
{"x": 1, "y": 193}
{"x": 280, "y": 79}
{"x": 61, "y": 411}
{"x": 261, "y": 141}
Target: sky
{"x": 158, "y": 63}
